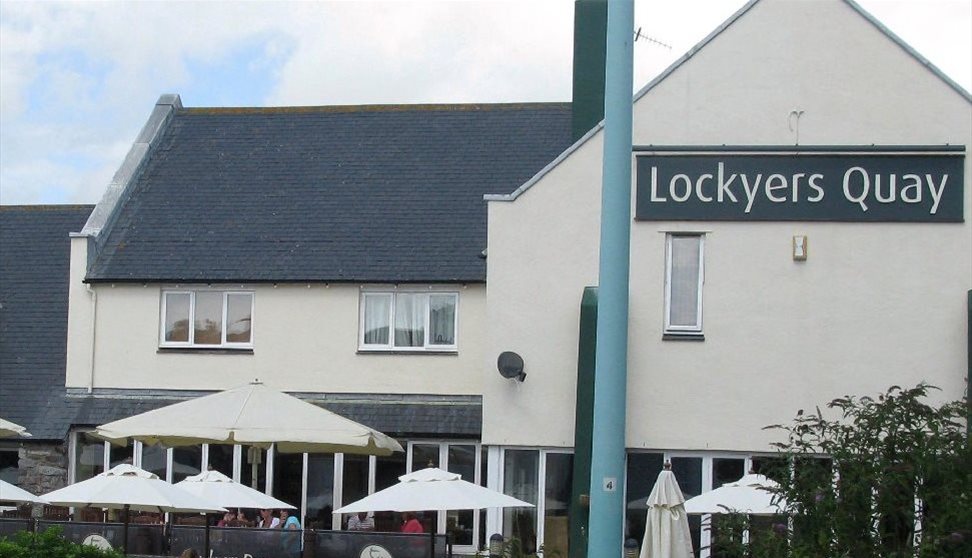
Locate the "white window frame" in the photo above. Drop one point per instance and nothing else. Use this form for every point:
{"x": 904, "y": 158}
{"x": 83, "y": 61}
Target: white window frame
{"x": 224, "y": 344}
{"x": 686, "y": 330}
{"x": 390, "y": 346}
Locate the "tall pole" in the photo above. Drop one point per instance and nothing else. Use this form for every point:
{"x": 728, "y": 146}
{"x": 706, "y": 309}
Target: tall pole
{"x": 611, "y": 360}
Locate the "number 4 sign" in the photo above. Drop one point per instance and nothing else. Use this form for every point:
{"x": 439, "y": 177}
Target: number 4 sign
{"x": 610, "y": 484}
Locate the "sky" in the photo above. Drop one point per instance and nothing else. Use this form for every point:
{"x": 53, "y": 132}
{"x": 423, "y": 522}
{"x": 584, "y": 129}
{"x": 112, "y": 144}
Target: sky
{"x": 78, "y": 79}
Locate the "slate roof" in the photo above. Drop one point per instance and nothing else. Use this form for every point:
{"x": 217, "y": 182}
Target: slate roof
{"x": 395, "y": 415}
{"x": 34, "y": 268}
{"x": 356, "y": 194}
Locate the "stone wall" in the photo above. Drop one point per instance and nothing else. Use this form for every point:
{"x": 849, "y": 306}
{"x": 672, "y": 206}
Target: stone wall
{"x": 43, "y": 467}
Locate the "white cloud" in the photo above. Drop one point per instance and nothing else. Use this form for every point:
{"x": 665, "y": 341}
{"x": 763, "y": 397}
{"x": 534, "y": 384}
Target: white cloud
{"x": 78, "y": 79}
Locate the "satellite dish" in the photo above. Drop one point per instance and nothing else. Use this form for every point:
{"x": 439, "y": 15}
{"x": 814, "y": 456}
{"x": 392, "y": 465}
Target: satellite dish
{"x": 510, "y": 366}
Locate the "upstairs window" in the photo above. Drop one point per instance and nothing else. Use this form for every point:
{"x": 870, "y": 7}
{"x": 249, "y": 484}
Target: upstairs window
{"x": 684, "y": 276}
{"x": 207, "y": 319}
{"x": 408, "y": 321}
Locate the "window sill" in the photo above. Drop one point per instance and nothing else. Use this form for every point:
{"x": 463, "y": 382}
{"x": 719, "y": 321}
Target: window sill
{"x": 205, "y": 350}
{"x": 432, "y": 352}
{"x": 683, "y": 337}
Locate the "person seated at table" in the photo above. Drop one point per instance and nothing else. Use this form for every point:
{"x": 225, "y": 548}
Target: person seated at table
{"x": 288, "y": 521}
{"x": 268, "y": 520}
{"x": 228, "y": 519}
{"x": 410, "y": 524}
{"x": 361, "y": 522}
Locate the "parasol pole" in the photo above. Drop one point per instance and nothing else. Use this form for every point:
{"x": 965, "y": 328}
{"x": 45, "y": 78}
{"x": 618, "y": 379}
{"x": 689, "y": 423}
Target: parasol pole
{"x": 125, "y": 532}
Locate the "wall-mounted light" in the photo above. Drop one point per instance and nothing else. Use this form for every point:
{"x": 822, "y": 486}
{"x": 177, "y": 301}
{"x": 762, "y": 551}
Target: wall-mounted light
{"x": 799, "y": 248}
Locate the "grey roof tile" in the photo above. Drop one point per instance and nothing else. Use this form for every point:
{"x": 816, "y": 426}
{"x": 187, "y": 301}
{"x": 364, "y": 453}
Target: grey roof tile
{"x": 416, "y": 418}
{"x": 34, "y": 268}
{"x": 358, "y": 194}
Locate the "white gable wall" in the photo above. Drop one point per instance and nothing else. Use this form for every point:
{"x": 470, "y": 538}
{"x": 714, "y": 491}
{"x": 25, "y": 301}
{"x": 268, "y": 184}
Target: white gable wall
{"x": 875, "y": 304}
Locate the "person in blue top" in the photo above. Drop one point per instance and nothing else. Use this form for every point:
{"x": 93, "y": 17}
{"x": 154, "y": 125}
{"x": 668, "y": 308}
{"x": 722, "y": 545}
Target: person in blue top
{"x": 291, "y": 542}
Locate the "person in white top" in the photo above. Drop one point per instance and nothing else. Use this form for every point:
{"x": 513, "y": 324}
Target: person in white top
{"x": 361, "y": 522}
{"x": 268, "y": 520}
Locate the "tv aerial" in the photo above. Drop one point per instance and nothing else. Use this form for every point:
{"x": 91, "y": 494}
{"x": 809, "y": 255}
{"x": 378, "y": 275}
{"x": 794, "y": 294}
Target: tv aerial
{"x": 639, "y": 36}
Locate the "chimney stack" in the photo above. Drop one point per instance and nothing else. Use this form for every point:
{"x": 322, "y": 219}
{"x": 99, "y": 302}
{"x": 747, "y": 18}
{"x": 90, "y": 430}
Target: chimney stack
{"x": 590, "y": 51}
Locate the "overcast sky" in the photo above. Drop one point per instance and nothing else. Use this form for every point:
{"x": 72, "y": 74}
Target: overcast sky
{"x": 78, "y": 79}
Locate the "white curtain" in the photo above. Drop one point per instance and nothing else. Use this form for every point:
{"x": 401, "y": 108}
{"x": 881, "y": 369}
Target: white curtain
{"x": 410, "y": 310}
{"x": 377, "y": 310}
{"x": 684, "y": 294}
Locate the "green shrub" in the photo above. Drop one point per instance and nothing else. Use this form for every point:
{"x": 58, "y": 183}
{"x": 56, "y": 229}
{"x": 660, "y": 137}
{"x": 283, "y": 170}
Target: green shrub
{"x": 49, "y": 544}
{"x": 861, "y": 482}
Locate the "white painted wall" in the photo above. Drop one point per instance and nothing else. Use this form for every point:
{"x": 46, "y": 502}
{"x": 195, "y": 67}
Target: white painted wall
{"x": 874, "y": 305}
{"x": 305, "y": 338}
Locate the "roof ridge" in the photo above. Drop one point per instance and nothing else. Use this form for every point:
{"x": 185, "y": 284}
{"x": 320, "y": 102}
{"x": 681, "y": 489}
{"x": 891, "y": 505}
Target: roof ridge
{"x": 457, "y": 107}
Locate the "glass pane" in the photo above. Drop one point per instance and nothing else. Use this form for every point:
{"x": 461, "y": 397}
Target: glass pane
{"x": 9, "y": 466}
{"x": 208, "y": 322}
{"x": 520, "y": 477}
{"x": 387, "y": 471}
{"x": 186, "y": 462}
{"x": 239, "y": 309}
{"x": 221, "y": 459}
{"x": 119, "y": 455}
{"x": 442, "y": 320}
{"x": 424, "y": 456}
{"x": 320, "y": 490}
{"x": 153, "y": 460}
{"x": 727, "y": 470}
{"x": 253, "y": 473}
{"x": 723, "y": 471}
{"x": 685, "y": 281}
{"x": 459, "y": 523}
{"x": 773, "y": 467}
{"x": 688, "y": 473}
{"x": 89, "y": 457}
{"x": 177, "y": 317}
{"x": 410, "y": 319}
{"x": 643, "y": 469}
{"x": 483, "y": 475}
{"x": 376, "y": 312}
{"x": 557, "y": 485}
{"x": 355, "y": 481}
{"x": 288, "y": 475}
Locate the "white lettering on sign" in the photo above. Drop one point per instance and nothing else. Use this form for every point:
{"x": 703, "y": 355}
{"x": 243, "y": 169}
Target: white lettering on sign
{"x": 860, "y": 187}
{"x": 610, "y": 484}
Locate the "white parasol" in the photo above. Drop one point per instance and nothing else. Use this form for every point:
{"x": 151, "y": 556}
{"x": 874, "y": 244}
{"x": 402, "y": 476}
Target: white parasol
{"x": 753, "y": 495}
{"x": 433, "y": 489}
{"x": 216, "y": 487}
{"x": 9, "y": 429}
{"x": 13, "y": 493}
{"x": 126, "y": 487}
{"x": 253, "y": 415}
{"x": 667, "y": 532}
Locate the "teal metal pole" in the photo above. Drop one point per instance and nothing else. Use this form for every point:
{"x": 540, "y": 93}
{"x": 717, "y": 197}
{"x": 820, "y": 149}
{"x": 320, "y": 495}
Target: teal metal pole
{"x": 611, "y": 361}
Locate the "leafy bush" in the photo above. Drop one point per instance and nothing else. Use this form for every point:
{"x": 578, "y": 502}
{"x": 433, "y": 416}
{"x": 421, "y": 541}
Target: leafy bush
{"x": 861, "y": 483}
{"x": 49, "y": 544}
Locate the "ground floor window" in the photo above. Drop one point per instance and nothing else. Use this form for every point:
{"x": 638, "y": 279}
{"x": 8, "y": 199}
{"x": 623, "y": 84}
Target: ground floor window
{"x": 696, "y": 473}
{"x": 316, "y": 484}
{"x": 542, "y": 478}
{"x": 10, "y": 465}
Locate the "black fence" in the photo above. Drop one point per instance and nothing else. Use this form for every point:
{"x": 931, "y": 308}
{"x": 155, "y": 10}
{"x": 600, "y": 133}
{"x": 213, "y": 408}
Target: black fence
{"x": 10, "y": 526}
{"x": 239, "y": 542}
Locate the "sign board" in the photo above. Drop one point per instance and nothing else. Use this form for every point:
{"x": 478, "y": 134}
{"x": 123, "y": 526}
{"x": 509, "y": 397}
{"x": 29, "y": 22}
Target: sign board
{"x": 813, "y": 184}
